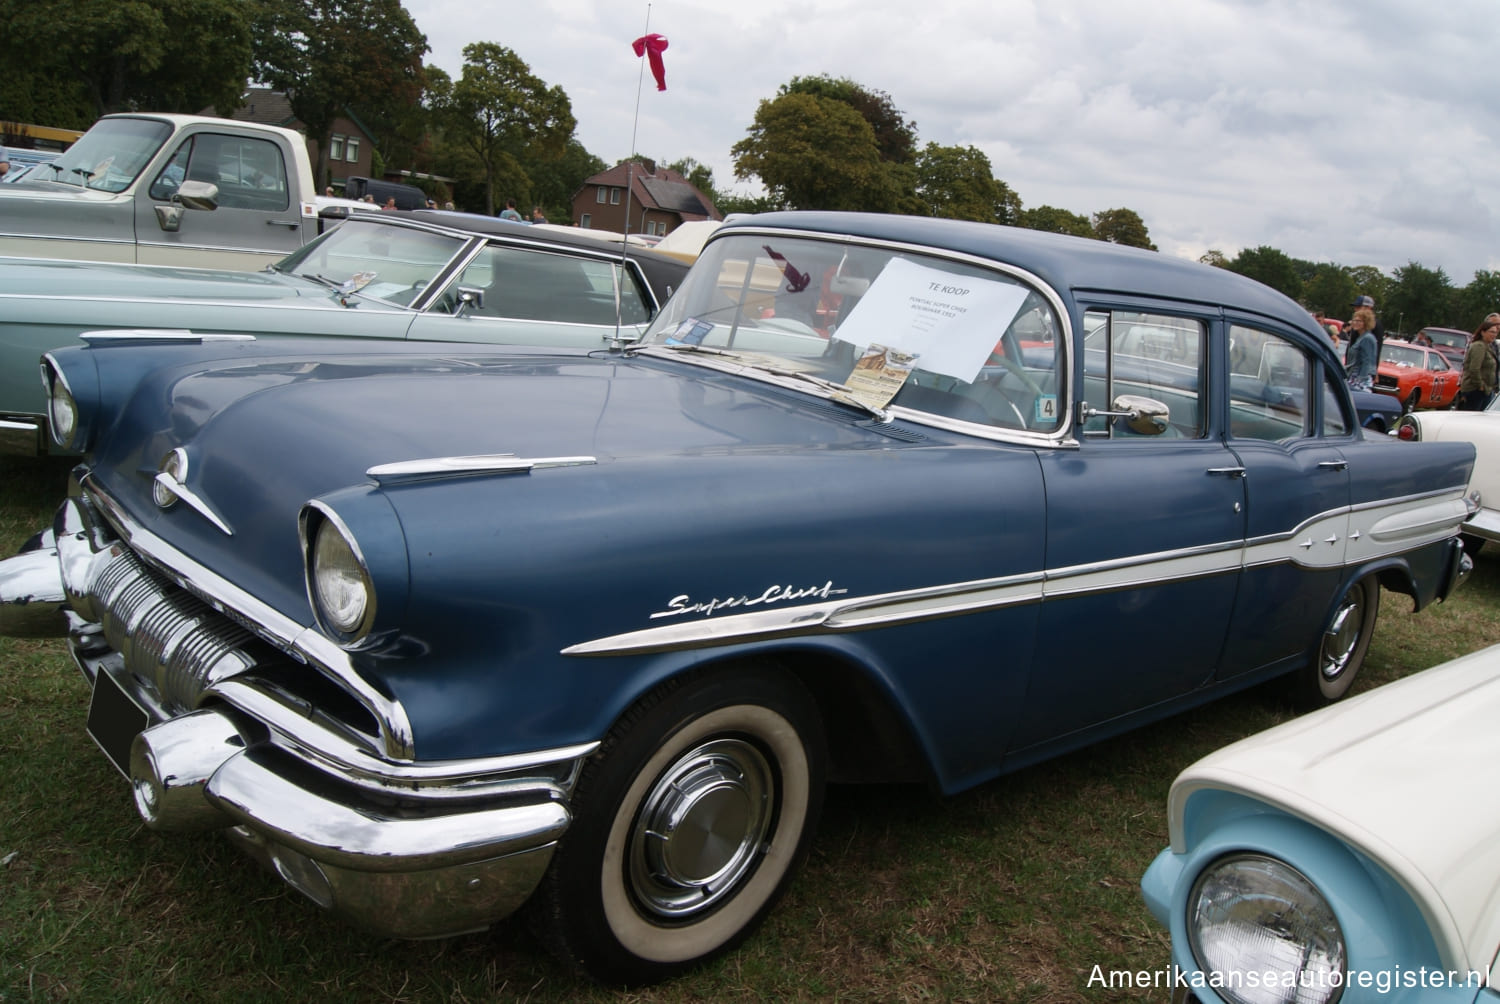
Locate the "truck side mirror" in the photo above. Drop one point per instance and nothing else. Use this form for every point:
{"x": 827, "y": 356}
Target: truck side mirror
{"x": 189, "y": 195}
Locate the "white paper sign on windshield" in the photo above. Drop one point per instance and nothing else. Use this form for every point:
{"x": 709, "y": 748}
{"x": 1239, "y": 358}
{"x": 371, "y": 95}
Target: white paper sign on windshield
{"x": 950, "y": 323}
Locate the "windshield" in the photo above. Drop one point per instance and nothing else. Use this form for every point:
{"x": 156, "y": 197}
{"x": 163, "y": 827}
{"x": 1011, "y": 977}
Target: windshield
{"x": 1448, "y": 339}
{"x": 389, "y": 263}
{"x": 1401, "y": 355}
{"x": 888, "y": 327}
{"x": 110, "y": 155}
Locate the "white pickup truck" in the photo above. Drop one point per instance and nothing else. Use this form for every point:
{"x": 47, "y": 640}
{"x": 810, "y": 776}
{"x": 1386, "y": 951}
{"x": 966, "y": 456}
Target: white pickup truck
{"x": 168, "y": 190}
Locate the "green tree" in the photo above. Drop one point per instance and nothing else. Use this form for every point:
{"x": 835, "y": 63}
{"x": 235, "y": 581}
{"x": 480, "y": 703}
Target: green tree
{"x": 1270, "y": 266}
{"x": 333, "y": 55}
{"x": 1368, "y": 281}
{"x": 957, "y": 183}
{"x": 1419, "y": 296}
{"x": 103, "y": 56}
{"x": 1331, "y": 290}
{"x": 1478, "y": 298}
{"x": 816, "y": 153}
{"x": 505, "y": 116}
{"x": 1122, "y": 226}
{"x": 1214, "y": 257}
{"x": 895, "y": 135}
{"x": 1057, "y": 221}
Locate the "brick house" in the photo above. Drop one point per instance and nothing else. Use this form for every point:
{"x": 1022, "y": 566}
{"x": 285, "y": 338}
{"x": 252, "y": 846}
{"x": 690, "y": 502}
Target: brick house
{"x": 659, "y": 199}
{"x": 351, "y": 148}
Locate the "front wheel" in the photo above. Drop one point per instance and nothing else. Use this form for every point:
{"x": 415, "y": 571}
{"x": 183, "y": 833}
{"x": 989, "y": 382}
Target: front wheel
{"x": 1341, "y": 652}
{"x": 1413, "y": 399}
{"x": 688, "y": 824}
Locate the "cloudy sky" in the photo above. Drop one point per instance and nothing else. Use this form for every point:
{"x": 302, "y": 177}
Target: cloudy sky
{"x": 1363, "y": 132}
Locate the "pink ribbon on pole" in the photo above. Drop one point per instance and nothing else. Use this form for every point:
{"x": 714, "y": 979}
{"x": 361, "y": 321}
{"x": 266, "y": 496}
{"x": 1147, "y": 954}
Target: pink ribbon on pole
{"x": 652, "y": 46}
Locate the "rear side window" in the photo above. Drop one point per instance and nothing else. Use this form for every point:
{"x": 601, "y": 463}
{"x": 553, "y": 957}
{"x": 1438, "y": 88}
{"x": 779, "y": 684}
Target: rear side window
{"x": 1157, "y": 356}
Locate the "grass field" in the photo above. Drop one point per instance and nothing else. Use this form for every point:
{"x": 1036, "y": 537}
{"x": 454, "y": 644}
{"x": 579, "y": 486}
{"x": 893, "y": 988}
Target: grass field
{"x": 1013, "y": 892}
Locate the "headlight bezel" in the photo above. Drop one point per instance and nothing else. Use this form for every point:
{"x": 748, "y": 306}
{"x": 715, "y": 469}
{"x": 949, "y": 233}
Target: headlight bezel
{"x": 60, "y": 394}
{"x": 1291, "y": 878}
{"x": 318, "y": 523}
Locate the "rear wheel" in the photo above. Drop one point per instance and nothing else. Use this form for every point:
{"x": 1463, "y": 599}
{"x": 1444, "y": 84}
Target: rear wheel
{"x": 689, "y": 822}
{"x": 1341, "y": 653}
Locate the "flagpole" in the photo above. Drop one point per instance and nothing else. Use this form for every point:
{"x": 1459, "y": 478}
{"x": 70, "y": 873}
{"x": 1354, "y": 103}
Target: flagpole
{"x": 635, "y": 122}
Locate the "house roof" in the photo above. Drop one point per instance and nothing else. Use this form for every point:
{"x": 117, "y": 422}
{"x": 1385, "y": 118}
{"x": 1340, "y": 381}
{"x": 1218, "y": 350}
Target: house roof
{"x": 262, "y": 104}
{"x": 662, "y": 189}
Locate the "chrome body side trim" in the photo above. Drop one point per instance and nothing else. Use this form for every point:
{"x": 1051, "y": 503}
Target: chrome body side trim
{"x": 1338, "y": 538}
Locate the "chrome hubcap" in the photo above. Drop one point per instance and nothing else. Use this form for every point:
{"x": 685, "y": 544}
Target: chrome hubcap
{"x": 701, "y": 828}
{"x": 1343, "y": 635}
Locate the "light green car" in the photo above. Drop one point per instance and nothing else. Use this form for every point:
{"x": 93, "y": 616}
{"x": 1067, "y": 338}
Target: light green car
{"x": 427, "y": 276}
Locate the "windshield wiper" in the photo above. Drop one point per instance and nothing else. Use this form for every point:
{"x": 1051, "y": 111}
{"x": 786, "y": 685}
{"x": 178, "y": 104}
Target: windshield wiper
{"x": 842, "y": 393}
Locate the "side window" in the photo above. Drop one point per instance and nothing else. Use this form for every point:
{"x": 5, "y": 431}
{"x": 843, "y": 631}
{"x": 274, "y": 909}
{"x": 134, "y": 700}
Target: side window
{"x": 1335, "y": 422}
{"x": 249, "y": 173}
{"x": 165, "y": 185}
{"x": 1157, "y": 356}
{"x": 538, "y": 286}
{"x": 1269, "y": 390}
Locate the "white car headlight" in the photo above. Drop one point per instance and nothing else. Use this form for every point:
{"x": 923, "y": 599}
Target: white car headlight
{"x": 1267, "y": 933}
{"x": 62, "y": 410}
{"x": 341, "y": 584}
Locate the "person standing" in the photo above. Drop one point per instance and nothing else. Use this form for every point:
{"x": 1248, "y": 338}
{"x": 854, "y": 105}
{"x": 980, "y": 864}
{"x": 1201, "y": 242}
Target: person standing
{"x": 537, "y": 216}
{"x": 1481, "y": 368}
{"x": 1362, "y": 358}
{"x": 509, "y": 212}
{"x": 1377, "y": 329}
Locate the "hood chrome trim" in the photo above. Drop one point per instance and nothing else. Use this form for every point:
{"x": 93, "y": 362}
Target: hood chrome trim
{"x": 490, "y": 463}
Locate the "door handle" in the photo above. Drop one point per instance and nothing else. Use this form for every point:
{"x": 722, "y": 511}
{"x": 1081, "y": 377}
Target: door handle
{"x": 294, "y": 224}
{"x": 1226, "y": 472}
{"x": 1333, "y": 465}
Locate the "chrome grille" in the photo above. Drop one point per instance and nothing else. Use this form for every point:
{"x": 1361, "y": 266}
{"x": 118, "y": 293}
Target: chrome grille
{"x": 167, "y": 636}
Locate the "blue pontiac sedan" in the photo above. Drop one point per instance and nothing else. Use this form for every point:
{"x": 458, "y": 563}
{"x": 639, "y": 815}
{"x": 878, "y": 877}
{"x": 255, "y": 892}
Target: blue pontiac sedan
{"x": 439, "y": 630}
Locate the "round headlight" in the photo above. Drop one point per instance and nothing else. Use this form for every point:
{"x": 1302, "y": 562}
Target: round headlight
{"x": 1266, "y": 932}
{"x": 341, "y": 585}
{"x": 62, "y": 410}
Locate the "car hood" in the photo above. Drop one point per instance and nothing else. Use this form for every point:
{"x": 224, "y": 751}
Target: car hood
{"x": 83, "y": 279}
{"x": 1405, "y": 773}
{"x": 266, "y": 431}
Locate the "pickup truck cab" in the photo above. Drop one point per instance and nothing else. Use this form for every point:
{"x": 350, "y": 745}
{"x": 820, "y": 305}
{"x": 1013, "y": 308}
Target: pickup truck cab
{"x": 167, "y": 190}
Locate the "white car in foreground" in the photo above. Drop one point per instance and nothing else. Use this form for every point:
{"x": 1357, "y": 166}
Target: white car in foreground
{"x": 1351, "y": 855}
{"x": 1482, "y": 428}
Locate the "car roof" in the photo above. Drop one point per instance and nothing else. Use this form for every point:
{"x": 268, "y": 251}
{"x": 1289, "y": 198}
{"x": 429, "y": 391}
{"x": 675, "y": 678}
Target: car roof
{"x": 664, "y": 272}
{"x": 1064, "y": 262}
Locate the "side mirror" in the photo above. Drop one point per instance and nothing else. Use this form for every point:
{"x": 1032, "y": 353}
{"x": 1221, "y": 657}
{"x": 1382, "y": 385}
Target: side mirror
{"x": 469, "y": 297}
{"x": 1144, "y": 416}
{"x": 197, "y": 195}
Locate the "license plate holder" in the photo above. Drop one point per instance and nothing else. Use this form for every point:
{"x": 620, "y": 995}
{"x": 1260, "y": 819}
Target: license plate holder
{"x": 115, "y": 719}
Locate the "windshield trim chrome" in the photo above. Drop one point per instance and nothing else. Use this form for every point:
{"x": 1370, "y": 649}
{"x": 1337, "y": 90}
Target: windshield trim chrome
{"x": 1062, "y": 436}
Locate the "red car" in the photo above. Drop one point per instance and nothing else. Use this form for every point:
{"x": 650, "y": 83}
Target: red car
{"x": 1450, "y": 342}
{"x": 1417, "y": 375}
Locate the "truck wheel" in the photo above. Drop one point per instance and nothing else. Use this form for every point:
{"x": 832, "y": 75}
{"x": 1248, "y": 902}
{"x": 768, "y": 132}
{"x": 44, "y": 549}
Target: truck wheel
{"x": 1342, "y": 650}
{"x": 688, "y": 823}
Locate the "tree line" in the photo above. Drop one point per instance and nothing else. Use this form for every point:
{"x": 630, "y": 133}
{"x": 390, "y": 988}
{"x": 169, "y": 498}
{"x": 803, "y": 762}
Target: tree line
{"x": 820, "y": 143}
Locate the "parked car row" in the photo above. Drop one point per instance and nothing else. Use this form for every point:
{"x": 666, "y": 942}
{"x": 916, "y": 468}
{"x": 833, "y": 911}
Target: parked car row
{"x": 437, "y": 627}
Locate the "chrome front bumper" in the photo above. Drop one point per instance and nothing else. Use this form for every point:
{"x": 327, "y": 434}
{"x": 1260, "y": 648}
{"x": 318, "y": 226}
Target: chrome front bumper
{"x": 198, "y": 714}
{"x": 1485, "y": 524}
